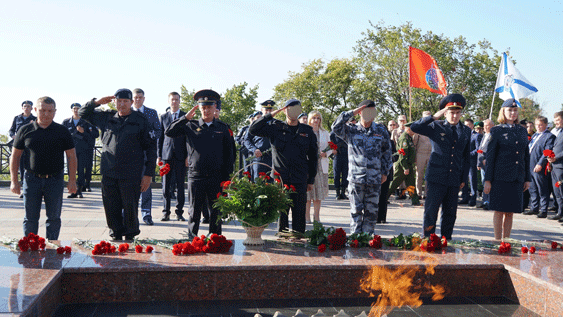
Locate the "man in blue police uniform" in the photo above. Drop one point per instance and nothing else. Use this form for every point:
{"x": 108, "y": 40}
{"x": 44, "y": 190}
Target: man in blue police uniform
{"x": 294, "y": 152}
{"x": 19, "y": 121}
{"x": 340, "y": 164}
{"x": 82, "y": 133}
{"x": 448, "y": 167}
{"x": 126, "y": 139}
{"x": 210, "y": 157}
{"x": 243, "y": 150}
{"x": 369, "y": 161}
{"x": 469, "y": 193}
{"x": 260, "y": 147}
{"x": 154, "y": 123}
{"x": 539, "y": 187}
{"x": 172, "y": 151}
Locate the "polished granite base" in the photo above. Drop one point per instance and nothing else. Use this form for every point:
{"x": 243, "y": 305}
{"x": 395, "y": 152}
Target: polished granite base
{"x": 36, "y": 283}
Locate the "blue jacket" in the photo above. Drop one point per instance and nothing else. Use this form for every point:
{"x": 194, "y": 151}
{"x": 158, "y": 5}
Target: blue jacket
{"x": 475, "y": 142}
{"x": 82, "y": 141}
{"x": 544, "y": 141}
{"x": 171, "y": 148}
{"x": 508, "y": 156}
{"x": 449, "y": 160}
{"x": 558, "y": 150}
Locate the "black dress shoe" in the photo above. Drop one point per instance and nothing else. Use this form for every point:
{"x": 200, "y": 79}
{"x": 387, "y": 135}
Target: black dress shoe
{"x": 80, "y": 195}
{"x": 542, "y": 215}
{"x": 117, "y": 238}
{"x": 531, "y": 212}
{"x": 472, "y": 204}
{"x": 148, "y": 221}
{"x": 129, "y": 237}
{"x": 560, "y": 220}
{"x": 463, "y": 202}
{"x": 555, "y": 217}
{"x": 180, "y": 218}
{"x": 21, "y": 195}
{"x": 83, "y": 188}
{"x": 72, "y": 196}
{"x": 165, "y": 218}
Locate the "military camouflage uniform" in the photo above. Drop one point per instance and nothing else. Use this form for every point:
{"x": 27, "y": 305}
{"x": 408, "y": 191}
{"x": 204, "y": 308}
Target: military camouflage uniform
{"x": 369, "y": 157}
{"x": 405, "y": 162}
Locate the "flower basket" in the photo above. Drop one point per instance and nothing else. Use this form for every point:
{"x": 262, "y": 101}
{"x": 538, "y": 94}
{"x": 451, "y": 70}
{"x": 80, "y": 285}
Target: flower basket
{"x": 254, "y": 204}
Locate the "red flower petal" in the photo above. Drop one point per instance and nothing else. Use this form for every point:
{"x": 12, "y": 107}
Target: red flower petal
{"x": 524, "y": 250}
{"x": 532, "y": 250}
{"x": 139, "y": 248}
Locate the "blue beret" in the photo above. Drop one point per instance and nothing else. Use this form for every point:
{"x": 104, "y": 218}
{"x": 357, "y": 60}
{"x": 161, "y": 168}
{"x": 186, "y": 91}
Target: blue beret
{"x": 268, "y": 104}
{"x": 368, "y": 103}
{"x": 207, "y": 97}
{"x": 123, "y": 93}
{"x": 76, "y": 104}
{"x": 27, "y": 102}
{"x": 453, "y": 101}
{"x": 302, "y": 115}
{"x": 509, "y": 103}
{"x": 292, "y": 102}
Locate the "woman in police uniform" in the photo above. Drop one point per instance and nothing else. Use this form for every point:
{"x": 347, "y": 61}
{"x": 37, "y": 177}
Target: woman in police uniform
{"x": 507, "y": 175}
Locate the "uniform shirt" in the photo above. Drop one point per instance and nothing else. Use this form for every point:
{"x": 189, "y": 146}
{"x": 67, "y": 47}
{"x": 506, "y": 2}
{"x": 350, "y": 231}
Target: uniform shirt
{"x": 508, "y": 156}
{"x": 449, "y": 160}
{"x": 125, "y": 142}
{"x": 342, "y": 147}
{"x": 294, "y": 153}
{"x": 82, "y": 141}
{"x": 46, "y": 147}
{"x": 369, "y": 149}
{"x": 210, "y": 147}
{"x": 19, "y": 121}
{"x": 407, "y": 161}
{"x": 241, "y": 135}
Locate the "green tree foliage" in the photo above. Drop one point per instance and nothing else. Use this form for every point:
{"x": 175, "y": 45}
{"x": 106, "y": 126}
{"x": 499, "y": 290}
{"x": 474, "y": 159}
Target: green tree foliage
{"x": 382, "y": 58}
{"x": 326, "y": 88}
{"x": 4, "y": 139}
{"x": 237, "y": 103}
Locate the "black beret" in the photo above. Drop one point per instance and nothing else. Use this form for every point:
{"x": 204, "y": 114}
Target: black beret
{"x": 302, "y": 115}
{"x": 453, "y": 101}
{"x": 268, "y": 104}
{"x": 255, "y": 114}
{"x": 292, "y": 102}
{"x": 509, "y": 103}
{"x": 524, "y": 121}
{"x": 27, "y": 102}
{"x": 368, "y": 103}
{"x": 76, "y": 104}
{"x": 123, "y": 93}
{"x": 207, "y": 97}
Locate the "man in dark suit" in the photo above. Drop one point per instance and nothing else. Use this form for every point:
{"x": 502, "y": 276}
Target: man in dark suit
{"x": 476, "y": 138}
{"x": 448, "y": 167}
{"x": 557, "y": 161}
{"x": 172, "y": 151}
{"x": 259, "y": 146}
{"x": 539, "y": 187}
{"x": 154, "y": 123}
{"x": 82, "y": 133}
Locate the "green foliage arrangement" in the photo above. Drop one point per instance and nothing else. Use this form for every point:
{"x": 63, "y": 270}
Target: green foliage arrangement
{"x": 254, "y": 204}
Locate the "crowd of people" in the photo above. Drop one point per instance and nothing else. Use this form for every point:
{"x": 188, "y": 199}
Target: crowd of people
{"x": 431, "y": 160}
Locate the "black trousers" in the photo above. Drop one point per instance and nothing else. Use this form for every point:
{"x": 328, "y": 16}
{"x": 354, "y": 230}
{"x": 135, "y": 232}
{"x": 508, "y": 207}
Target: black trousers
{"x": 382, "y": 210}
{"x": 174, "y": 180}
{"x": 200, "y": 192}
{"x": 89, "y": 154}
{"x": 81, "y": 163}
{"x": 121, "y": 204}
{"x": 440, "y": 195}
{"x": 340, "y": 168}
{"x": 299, "y": 199}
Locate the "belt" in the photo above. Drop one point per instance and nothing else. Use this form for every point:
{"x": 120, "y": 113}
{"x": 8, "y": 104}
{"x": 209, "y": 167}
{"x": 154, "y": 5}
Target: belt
{"x": 44, "y": 175}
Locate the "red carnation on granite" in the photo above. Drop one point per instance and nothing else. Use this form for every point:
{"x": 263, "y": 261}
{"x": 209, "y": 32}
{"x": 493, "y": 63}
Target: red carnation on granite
{"x": 504, "y": 248}
{"x": 532, "y": 250}
{"x": 123, "y": 247}
{"x": 337, "y": 240}
{"x": 149, "y": 249}
{"x": 355, "y": 244}
{"x": 376, "y": 242}
{"x": 554, "y": 245}
{"x": 68, "y": 249}
{"x": 60, "y": 250}
{"x": 322, "y": 248}
{"x": 444, "y": 242}
{"x": 139, "y": 248}
{"x": 524, "y": 250}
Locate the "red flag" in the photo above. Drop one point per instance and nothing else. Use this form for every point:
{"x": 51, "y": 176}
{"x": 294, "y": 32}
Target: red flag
{"x": 424, "y": 72}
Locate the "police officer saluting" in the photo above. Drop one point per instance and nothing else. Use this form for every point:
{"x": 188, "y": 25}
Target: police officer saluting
{"x": 125, "y": 136}
{"x": 210, "y": 155}
{"x": 294, "y": 152}
{"x": 448, "y": 167}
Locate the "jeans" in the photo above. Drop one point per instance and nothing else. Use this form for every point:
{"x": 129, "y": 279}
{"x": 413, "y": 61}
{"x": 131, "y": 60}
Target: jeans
{"x": 36, "y": 189}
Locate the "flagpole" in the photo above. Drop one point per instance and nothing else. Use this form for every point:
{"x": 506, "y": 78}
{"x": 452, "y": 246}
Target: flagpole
{"x": 492, "y": 103}
{"x": 410, "y": 106}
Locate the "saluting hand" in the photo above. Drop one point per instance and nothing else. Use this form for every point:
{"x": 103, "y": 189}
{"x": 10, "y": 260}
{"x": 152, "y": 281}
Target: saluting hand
{"x": 104, "y": 100}
{"x": 359, "y": 109}
{"x": 191, "y": 113}
{"x": 275, "y": 112}
{"x": 440, "y": 114}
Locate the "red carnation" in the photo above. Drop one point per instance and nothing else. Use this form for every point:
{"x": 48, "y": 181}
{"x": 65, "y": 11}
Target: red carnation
{"x": 322, "y": 248}
{"x": 558, "y": 184}
{"x": 480, "y": 151}
{"x": 277, "y": 174}
{"x": 548, "y": 153}
{"x": 402, "y": 152}
{"x": 532, "y": 250}
{"x": 355, "y": 244}
{"x": 554, "y": 245}
{"x": 139, "y": 248}
{"x": 60, "y": 250}
{"x": 293, "y": 188}
{"x": 375, "y": 242}
{"x": 160, "y": 163}
{"x": 332, "y": 145}
{"x": 149, "y": 249}
{"x": 444, "y": 242}
{"x": 524, "y": 250}
{"x": 68, "y": 249}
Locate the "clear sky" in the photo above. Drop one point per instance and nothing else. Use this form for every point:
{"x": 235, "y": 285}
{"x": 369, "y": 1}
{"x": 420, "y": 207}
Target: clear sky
{"x": 73, "y": 51}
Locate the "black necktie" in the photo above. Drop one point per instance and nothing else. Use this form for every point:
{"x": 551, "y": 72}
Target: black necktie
{"x": 454, "y": 129}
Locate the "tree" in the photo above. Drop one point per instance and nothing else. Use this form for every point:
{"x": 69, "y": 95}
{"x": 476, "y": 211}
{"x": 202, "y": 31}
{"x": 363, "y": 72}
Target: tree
{"x": 237, "y": 104}
{"x": 382, "y": 59}
{"x": 326, "y": 88}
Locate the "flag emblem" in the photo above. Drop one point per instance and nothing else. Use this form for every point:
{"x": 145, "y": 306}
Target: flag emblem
{"x": 511, "y": 83}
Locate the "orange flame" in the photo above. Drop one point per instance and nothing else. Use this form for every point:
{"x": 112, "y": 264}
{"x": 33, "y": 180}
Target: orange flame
{"x": 396, "y": 287}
